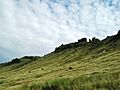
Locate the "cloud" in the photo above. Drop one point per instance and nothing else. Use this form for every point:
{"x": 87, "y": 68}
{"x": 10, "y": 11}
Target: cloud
{"x": 36, "y": 27}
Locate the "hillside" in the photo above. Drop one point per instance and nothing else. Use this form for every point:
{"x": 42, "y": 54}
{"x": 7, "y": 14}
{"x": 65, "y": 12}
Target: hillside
{"x": 82, "y": 65}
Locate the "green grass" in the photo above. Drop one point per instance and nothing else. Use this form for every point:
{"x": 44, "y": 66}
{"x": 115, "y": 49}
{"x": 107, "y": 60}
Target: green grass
{"x": 95, "y": 68}
{"x": 105, "y": 81}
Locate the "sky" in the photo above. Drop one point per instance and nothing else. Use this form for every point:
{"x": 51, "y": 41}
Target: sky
{"x": 36, "y": 27}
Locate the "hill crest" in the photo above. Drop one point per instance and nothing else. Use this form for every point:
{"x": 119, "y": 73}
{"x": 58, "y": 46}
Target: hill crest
{"x": 83, "y": 42}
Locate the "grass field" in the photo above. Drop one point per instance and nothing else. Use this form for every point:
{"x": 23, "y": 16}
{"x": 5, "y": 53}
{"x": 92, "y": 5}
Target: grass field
{"x": 87, "y": 67}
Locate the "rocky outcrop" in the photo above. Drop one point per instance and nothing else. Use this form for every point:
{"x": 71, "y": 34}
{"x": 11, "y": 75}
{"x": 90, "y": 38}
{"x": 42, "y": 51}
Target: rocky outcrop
{"x": 94, "y": 43}
{"x": 118, "y": 33}
{"x": 83, "y": 40}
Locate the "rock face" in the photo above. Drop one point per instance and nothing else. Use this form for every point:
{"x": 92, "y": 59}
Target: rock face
{"x": 82, "y": 40}
{"x": 118, "y": 32}
{"x": 116, "y": 37}
{"x": 95, "y": 39}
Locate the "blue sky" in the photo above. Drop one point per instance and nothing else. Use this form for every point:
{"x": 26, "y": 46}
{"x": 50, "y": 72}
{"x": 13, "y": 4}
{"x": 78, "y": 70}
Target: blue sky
{"x": 36, "y": 27}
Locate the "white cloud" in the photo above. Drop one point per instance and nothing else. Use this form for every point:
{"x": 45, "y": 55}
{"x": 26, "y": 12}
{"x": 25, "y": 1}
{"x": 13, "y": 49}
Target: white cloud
{"x": 31, "y": 27}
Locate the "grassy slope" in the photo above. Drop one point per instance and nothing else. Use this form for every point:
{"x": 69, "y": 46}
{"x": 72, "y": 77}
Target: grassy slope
{"x": 89, "y": 65}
